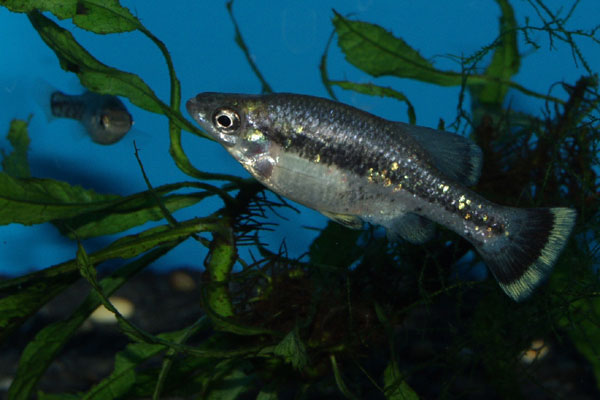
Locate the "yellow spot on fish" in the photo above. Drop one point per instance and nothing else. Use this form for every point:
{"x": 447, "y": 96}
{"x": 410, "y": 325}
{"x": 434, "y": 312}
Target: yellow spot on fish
{"x": 476, "y": 227}
{"x": 468, "y": 202}
{"x": 462, "y": 198}
{"x": 445, "y": 188}
{"x": 468, "y": 216}
{"x": 387, "y": 182}
{"x": 506, "y": 233}
{"x": 489, "y": 229}
{"x": 398, "y": 188}
{"x": 479, "y": 206}
{"x": 255, "y": 136}
{"x": 317, "y": 158}
{"x": 485, "y": 218}
{"x": 394, "y": 166}
{"x": 299, "y": 128}
{"x": 461, "y": 206}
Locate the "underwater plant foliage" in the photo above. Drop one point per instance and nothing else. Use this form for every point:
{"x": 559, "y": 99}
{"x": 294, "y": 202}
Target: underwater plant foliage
{"x": 358, "y": 316}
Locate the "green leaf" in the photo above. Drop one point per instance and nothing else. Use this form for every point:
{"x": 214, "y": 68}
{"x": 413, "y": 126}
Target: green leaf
{"x": 230, "y": 381}
{"x": 125, "y": 213}
{"x": 101, "y": 78}
{"x": 104, "y": 16}
{"x": 15, "y": 163}
{"x": 267, "y": 394}
{"x": 395, "y": 387}
{"x": 339, "y": 379}
{"x": 31, "y": 201}
{"x": 292, "y": 350}
{"x": 335, "y": 246}
{"x": 61, "y": 396}
{"x": 121, "y": 380}
{"x": 21, "y": 297}
{"x": 41, "y": 351}
{"x": 61, "y": 8}
{"x": 377, "y": 52}
{"x": 505, "y": 61}
{"x": 582, "y": 323}
{"x": 374, "y": 90}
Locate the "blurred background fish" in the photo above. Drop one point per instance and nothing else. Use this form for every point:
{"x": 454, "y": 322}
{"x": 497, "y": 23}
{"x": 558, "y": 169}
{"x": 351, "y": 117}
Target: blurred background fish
{"x": 104, "y": 117}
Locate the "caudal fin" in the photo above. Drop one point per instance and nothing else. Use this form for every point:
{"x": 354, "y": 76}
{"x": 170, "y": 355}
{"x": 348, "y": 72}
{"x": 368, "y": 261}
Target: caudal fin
{"x": 524, "y": 256}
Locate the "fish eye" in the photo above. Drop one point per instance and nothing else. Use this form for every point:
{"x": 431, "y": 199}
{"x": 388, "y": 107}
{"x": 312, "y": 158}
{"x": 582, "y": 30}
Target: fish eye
{"x": 226, "y": 120}
{"x": 104, "y": 120}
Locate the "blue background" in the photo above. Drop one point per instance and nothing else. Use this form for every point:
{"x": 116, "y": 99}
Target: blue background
{"x": 286, "y": 40}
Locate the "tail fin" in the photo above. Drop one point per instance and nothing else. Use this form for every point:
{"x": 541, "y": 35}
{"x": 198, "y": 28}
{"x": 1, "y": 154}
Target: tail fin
{"x": 42, "y": 92}
{"x": 524, "y": 256}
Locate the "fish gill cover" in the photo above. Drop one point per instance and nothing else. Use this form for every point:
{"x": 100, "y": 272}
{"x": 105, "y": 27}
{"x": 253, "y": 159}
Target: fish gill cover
{"x": 357, "y": 317}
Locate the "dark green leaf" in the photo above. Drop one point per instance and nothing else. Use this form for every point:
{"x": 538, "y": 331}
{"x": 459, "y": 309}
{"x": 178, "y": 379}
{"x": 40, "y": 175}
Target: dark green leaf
{"x": 15, "y": 163}
{"x": 33, "y": 201}
{"x": 42, "y": 350}
{"x": 104, "y": 16}
{"x": 230, "y": 381}
{"x": 130, "y": 212}
{"x": 61, "y": 396}
{"x": 292, "y": 350}
{"x": 377, "y": 52}
{"x": 339, "y": 379}
{"x": 583, "y": 326}
{"x": 21, "y": 297}
{"x": 335, "y": 246}
{"x": 61, "y": 8}
{"x": 374, "y": 90}
{"x": 395, "y": 387}
{"x": 505, "y": 61}
{"x": 99, "y": 77}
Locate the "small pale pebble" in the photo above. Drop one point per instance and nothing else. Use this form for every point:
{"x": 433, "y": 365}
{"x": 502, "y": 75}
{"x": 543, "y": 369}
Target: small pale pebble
{"x": 103, "y": 316}
{"x": 182, "y": 281}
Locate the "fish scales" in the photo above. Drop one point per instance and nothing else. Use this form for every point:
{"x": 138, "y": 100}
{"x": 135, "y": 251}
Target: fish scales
{"x": 370, "y": 147}
{"x": 356, "y": 167}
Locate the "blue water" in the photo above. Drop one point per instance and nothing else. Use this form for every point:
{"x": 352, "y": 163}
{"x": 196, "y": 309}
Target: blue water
{"x": 286, "y": 40}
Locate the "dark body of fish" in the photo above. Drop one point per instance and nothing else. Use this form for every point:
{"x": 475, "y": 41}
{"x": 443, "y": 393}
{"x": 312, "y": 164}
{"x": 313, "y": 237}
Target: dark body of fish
{"x": 355, "y": 167}
{"x": 104, "y": 117}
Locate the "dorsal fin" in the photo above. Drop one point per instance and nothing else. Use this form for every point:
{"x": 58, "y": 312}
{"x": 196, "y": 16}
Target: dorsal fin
{"x": 456, "y": 156}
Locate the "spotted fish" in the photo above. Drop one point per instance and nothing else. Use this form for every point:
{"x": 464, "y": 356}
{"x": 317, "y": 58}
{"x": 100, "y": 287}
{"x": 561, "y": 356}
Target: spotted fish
{"x": 355, "y": 167}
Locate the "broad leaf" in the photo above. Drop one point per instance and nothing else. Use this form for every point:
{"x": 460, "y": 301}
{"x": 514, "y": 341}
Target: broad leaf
{"x": 378, "y": 52}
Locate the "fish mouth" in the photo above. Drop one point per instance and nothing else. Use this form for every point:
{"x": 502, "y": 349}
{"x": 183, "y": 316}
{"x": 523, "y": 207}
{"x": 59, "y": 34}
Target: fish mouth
{"x": 199, "y": 114}
{"x": 192, "y": 108}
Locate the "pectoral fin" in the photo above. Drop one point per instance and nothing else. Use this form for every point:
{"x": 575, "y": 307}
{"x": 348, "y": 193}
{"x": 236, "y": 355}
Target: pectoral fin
{"x": 349, "y": 221}
{"x": 410, "y": 227}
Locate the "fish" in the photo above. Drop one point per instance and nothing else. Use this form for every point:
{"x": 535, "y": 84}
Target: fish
{"x": 104, "y": 117}
{"x": 355, "y": 168}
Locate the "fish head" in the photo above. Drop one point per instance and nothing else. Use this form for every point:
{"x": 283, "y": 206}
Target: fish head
{"x": 109, "y": 121}
{"x": 222, "y": 116}
{"x": 231, "y": 119}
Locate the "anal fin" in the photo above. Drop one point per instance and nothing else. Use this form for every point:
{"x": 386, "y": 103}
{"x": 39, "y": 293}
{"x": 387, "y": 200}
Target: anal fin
{"x": 349, "y": 221}
{"x": 410, "y": 227}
